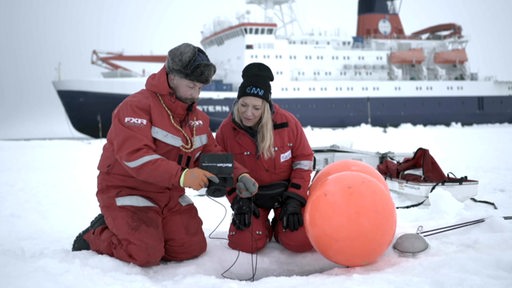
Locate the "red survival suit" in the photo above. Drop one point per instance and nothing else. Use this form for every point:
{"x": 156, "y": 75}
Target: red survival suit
{"x": 292, "y": 162}
{"x": 148, "y": 215}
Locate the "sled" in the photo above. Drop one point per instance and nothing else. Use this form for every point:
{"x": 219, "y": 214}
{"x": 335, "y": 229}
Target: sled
{"x": 326, "y": 155}
{"x": 408, "y": 181}
{"x": 413, "y": 191}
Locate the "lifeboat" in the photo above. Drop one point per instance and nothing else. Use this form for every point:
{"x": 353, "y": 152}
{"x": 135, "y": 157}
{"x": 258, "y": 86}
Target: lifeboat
{"x": 411, "y": 56}
{"x": 455, "y": 56}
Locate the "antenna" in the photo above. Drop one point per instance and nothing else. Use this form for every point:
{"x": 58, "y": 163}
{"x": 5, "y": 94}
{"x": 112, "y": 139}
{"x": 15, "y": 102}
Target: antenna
{"x": 286, "y": 17}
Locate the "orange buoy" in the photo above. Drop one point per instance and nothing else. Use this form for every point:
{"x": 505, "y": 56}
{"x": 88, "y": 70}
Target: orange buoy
{"x": 347, "y": 165}
{"x": 350, "y": 218}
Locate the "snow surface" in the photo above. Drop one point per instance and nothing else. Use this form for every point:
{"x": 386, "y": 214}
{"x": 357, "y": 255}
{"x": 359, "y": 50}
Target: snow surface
{"x": 48, "y": 196}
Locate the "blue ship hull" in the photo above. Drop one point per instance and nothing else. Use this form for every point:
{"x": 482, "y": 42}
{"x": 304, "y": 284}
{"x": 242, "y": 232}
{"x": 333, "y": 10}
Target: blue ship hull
{"x": 90, "y": 112}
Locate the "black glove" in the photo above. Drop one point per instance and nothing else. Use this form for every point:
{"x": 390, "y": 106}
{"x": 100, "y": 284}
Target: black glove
{"x": 243, "y": 209}
{"x": 291, "y": 214}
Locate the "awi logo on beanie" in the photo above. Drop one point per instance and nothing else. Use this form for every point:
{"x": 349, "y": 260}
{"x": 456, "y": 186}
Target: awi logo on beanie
{"x": 252, "y": 90}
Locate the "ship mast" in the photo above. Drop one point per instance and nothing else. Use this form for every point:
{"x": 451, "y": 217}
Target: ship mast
{"x": 288, "y": 23}
{"x": 394, "y": 6}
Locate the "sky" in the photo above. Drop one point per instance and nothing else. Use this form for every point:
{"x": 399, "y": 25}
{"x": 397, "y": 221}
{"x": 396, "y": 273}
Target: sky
{"x": 48, "y": 197}
{"x": 51, "y": 39}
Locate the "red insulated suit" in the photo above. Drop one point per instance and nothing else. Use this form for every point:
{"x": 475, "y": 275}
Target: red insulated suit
{"x": 292, "y": 162}
{"x": 148, "y": 215}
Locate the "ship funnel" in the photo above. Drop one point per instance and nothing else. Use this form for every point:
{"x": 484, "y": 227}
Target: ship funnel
{"x": 379, "y": 19}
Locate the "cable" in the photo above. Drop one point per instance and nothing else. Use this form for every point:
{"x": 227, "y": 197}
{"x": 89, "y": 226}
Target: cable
{"x": 254, "y": 256}
{"x": 222, "y": 220}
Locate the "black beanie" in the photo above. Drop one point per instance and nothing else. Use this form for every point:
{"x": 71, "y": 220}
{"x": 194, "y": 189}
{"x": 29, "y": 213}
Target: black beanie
{"x": 256, "y": 82}
{"x": 190, "y": 62}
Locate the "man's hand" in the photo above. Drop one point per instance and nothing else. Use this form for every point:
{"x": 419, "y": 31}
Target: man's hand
{"x": 246, "y": 186}
{"x": 197, "y": 178}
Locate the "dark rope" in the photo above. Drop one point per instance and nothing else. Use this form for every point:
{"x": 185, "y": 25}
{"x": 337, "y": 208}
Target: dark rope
{"x": 484, "y": 202}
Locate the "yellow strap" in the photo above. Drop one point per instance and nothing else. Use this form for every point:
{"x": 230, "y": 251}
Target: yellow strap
{"x": 182, "y": 178}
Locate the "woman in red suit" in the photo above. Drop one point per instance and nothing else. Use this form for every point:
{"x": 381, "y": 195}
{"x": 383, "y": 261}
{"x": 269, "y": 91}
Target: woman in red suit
{"x": 270, "y": 143}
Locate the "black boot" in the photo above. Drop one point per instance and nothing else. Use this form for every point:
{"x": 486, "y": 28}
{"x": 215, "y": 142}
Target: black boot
{"x": 80, "y": 243}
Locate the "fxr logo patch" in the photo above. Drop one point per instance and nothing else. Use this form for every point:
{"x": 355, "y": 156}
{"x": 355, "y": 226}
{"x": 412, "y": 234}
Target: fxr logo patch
{"x": 196, "y": 123}
{"x": 132, "y": 121}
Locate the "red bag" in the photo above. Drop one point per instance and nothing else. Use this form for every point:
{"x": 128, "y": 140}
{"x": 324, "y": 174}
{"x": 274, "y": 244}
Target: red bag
{"x": 421, "y": 167}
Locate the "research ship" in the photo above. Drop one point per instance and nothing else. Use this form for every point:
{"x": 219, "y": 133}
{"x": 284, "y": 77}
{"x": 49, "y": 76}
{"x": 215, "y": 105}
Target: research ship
{"x": 381, "y": 76}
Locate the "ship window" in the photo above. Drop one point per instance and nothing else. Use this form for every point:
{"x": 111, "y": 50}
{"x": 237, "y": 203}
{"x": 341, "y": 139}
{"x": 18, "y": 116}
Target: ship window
{"x": 256, "y": 31}
{"x": 269, "y": 31}
{"x": 250, "y": 30}
{"x": 249, "y": 46}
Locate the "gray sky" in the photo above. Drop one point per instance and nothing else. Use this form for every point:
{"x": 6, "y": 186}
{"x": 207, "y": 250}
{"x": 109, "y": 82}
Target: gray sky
{"x": 38, "y": 35}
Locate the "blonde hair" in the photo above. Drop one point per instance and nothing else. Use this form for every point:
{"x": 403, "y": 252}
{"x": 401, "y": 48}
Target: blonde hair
{"x": 265, "y": 130}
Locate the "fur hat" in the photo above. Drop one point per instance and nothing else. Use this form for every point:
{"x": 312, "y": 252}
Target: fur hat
{"x": 190, "y": 62}
{"x": 256, "y": 82}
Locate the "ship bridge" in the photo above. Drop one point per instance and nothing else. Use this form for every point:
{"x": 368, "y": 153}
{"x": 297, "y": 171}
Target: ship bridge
{"x": 240, "y": 30}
